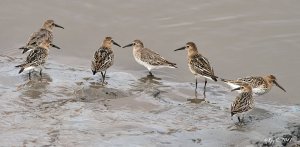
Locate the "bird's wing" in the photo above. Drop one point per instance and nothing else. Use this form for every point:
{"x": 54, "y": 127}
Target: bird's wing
{"x": 37, "y": 37}
{"x": 154, "y": 58}
{"x": 243, "y": 102}
{"x": 103, "y": 58}
{"x": 201, "y": 65}
{"x": 36, "y": 57}
{"x": 253, "y": 81}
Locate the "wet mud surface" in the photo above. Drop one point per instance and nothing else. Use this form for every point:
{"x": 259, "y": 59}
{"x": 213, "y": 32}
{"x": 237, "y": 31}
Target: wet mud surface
{"x": 73, "y": 108}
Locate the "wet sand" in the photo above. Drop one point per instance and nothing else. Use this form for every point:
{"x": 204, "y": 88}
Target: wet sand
{"x": 68, "y": 106}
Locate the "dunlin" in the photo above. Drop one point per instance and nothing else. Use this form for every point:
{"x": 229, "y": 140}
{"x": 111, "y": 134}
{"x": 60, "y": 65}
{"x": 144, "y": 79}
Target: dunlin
{"x": 198, "y": 64}
{"x": 148, "y": 58}
{"x": 45, "y": 33}
{"x": 260, "y": 85}
{"x": 103, "y": 57}
{"x": 36, "y": 58}
{"x": 243, "y": 103}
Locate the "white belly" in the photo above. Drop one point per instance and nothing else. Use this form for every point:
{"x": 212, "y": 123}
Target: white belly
{"x": 149, "y": 66}
{"x": 259, "y": 91}
{"x": 256, "y": 91}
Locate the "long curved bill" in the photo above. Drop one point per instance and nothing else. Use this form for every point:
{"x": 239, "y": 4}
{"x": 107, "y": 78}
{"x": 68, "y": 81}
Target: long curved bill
{"x": 56, "y": 25}
{"x": 182, "y": 48}
{"x": 239, "y": 88}
{"x": 128, "y": 45}
{"x": 279, "y": 86}
{"x": 115, "y": 43}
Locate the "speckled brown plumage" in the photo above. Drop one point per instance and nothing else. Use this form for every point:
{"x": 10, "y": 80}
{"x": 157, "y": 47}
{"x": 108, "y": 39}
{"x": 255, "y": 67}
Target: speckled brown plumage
{"x": 260, "y": 85}
{"x": 44, "y": 33}
{"x": 149, "y": 58}
{"x": 36, "y": 58}
{"x": 198, "y": 64}
{"x": 103, "y": 57}
{"x": 244, "y": 102}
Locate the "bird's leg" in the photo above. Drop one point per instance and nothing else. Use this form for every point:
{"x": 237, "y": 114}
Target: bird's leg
{"x": 41, "y": 73}
{"x": 196, "y": 83}
{"x": 243, "y": 119}
{"x": 196, "y": 94}
{"x": 250, "y": 117}
{"x": 150, "y": 73}
{"x": 204, "y": 89}
{"x": 29, "y": 74}
{"x": 103, "y": 76}
{"x": 239, "y": 118}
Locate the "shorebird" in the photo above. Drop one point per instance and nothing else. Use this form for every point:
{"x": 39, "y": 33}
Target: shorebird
{"x": 198, "y": 64}
{"x": 36, "y": 58}
{"x": 148, "y": 58}
{"x": 244, "y": 102}
{"x": 45, "y": 33}
{"x": 103, "y": 57}
{"x": 260, "y": 85}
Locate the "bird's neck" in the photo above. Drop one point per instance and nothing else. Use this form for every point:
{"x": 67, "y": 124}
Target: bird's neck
{"x": 269, "y": 82}
{"x": 192, "y": 52}
{"x": 47, "y": 28}
{"x": 137, "y": 48}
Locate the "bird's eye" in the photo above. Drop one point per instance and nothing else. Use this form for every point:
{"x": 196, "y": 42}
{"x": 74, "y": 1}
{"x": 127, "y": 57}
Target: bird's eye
{"x": 134, "y": 43}
{"x": 187, "y": 46}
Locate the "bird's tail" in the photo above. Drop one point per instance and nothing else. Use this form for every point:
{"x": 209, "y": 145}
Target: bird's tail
{"x": 214, "y": 78}
{"x": 25, "y": 49}
{"x": 20, "y": 65}
{"x": 232, "y": 113}
{"x": 23, "y": 66}
{"x": 21, "y": 70}
{"x": 213, "y": 75}
{"x": 172, "y": 64}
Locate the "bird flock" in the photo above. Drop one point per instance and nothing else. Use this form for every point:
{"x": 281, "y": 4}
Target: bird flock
{"x": 39, "y": 43}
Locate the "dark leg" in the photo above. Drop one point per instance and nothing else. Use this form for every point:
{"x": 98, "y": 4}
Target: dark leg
{"x": 196, "y": 84}
{"x": 196, "y": 94}
{"x": 41, "y": 73}
{"x": 150, "y": 73}
{"x": 239, "y": 119}
{"x": 103, "y": 76}
{"x": 250, "y": 117}
{"x": 29, "y": 74}
{"x": 204, "y": 89}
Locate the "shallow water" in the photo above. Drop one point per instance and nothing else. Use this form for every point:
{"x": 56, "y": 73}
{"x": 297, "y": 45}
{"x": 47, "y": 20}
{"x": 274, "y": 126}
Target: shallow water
{"x": 69, "y": 107}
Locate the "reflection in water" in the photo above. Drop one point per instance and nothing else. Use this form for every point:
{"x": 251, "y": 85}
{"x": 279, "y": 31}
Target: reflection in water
{"x": 151, "y": 79}
{"x": 197, "y": 99}
{"x": 150, "y": 85}
{"x": 34, "y": 88}
{"x": 147, "y": 83}
{"x": 98, "y": 85}
{"x": 92, "y": 90}
{"x": 97, "y": 82}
